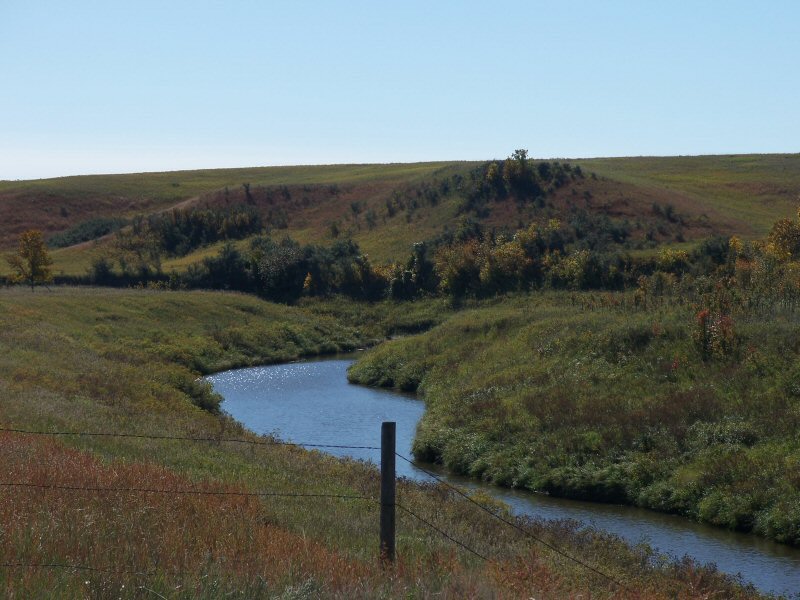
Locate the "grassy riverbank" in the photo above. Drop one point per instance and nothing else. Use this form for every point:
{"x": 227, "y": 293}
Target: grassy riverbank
{"x": 128, "y": 361}
{"x": 586, "y": 396}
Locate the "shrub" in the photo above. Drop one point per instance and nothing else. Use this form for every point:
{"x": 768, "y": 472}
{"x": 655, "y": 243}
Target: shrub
{"x": 101, "y": 271}
{"x": 714, "y": 335}
{"x": 86, "y": 231}
{"x": 781, "y": 522}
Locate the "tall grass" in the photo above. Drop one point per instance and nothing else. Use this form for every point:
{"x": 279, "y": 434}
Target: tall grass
{"x": 555, "y": 393}
{"x": 95, "y": 360}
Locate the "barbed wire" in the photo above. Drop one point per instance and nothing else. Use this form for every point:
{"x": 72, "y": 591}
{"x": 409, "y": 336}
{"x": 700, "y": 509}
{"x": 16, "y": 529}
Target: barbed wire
{"x": 516, "y": 526}
{"x": 117, "y": 571}
{"x": 260, "y": 442}
{"x": 274, "y": 442}
{"x": 75, "y": 567}
{"x": 442, "y": 532}
{"x": 143, "y": 490}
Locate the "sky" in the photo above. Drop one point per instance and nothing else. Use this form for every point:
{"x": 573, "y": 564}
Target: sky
{"x": 129, "y": 86}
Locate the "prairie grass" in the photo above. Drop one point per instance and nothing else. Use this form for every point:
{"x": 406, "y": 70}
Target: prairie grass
{"x": 172, "y": 538}
{"x": 126, "y": 361}
{"x": 171, "y": 186}
{"x": 755, "y": 189}
{"x": 57, "y": 204}
{"x": 740, "y": 195}
{"x": 582, "y": 395}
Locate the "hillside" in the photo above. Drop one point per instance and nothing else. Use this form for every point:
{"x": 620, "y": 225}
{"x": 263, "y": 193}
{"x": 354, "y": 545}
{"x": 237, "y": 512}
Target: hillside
{"x": 750, "y": 190}
{"x": 387, "y": 208}
{"x": 54, "y": 205}
{"x": 677, "y": 393}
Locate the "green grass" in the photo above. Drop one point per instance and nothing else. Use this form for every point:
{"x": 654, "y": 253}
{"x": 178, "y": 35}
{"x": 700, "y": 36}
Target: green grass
{"x": 73, "y": 261}
{"x": 127, "y": 361}
{"x": 56, "y": 205}
{"x": 170, "y": 187}
{"x": 580, "y": 395}
{"x": 755, "y": 189}
{"x": 381, "y": 320}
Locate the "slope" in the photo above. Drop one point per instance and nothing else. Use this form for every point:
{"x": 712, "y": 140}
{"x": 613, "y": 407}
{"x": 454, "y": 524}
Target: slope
{"x": 387, "y": 208}
{"x": 751, "y": 189}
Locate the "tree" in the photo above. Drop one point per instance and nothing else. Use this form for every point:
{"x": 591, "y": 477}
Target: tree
{"x": 459, "y": 267}
{"x": 281, "y": 268}
{"x": 31, "y": 263}
{"x": 783, "y": 241}
{"x": 520, "y": 176}
{"x": 422, "y": 269}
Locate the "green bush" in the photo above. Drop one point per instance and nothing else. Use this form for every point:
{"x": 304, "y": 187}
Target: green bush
{"x": 782, "y": 521}
{"x": 86, "y": 231}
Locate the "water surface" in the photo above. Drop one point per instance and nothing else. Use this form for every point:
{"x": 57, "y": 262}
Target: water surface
{"x": 311, "y": 402}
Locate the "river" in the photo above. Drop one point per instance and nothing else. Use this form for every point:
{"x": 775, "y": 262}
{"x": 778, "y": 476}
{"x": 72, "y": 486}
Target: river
{"x": 312, "y": 402}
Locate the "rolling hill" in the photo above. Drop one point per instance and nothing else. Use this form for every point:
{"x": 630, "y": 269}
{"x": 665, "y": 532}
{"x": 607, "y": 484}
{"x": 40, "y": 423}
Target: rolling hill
{"x": 387, "y": 208}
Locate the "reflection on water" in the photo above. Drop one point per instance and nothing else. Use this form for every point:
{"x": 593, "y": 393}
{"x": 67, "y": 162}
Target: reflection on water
{"x": 311, "y": 402}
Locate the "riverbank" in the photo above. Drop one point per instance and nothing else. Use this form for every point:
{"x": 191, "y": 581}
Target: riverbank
{"x": 310, "y": 401}
{"x": 589, "y": 396}
{"x": 128, "y": 361}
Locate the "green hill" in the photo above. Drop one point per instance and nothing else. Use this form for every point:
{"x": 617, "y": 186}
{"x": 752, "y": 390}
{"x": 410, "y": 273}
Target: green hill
{"x": 751, "y": 190}
{"x": 387, "y": 208}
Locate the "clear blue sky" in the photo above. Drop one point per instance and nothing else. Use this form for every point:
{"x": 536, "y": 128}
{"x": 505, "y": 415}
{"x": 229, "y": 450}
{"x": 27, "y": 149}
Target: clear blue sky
{"x": 120, "y": 86}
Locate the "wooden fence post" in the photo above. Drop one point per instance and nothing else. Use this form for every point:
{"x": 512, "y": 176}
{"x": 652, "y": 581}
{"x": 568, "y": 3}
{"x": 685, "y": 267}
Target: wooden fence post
{"x": 388, "y": 490}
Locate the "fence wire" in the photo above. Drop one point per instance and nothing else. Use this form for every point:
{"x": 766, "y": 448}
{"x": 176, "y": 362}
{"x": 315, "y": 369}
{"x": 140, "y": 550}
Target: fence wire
{"x": 274, "y": 442}
{"x": 258, "y": 442}
{"x": 514, "y": 525}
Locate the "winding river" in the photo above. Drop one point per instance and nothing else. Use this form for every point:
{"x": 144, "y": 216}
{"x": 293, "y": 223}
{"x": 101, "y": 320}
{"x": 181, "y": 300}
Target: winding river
{"x": 312, "y": 402}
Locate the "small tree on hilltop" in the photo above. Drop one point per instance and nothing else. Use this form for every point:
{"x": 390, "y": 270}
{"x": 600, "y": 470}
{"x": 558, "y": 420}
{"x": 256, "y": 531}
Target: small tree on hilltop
{"x": 31, "y": 263}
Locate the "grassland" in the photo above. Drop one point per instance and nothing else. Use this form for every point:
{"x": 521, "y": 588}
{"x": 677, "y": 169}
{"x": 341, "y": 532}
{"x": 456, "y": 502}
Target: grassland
{"x": 588, "y": 396}
{"x": 56, "y": 204}
{"x": 171, "y": 186}
{"x": 753, "y": 190}
{"x": 576, "y": 394}
{"x": 711, "y": 195}
{"x": 100, "y": 360}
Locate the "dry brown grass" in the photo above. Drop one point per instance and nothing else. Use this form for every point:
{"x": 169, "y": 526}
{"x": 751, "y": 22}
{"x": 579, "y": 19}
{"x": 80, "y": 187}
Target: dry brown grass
{"x": 178, "y": 537}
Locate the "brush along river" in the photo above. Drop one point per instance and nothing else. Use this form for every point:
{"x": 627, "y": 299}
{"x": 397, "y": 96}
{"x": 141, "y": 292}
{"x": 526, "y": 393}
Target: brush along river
{"x": 312, "y": 402}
